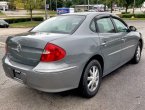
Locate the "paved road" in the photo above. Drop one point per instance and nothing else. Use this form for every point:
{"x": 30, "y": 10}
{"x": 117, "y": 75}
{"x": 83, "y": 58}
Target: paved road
{"x": 124, "y": 89}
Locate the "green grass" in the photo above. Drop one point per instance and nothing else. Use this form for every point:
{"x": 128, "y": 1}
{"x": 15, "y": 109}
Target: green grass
{"x": 1, "y": 14}
{"x": 28, "y": 24}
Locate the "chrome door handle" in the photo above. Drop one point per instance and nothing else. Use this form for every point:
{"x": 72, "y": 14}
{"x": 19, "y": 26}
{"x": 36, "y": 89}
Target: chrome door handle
{"x": 104, "y": 44}
{"x": 123, "y": 39}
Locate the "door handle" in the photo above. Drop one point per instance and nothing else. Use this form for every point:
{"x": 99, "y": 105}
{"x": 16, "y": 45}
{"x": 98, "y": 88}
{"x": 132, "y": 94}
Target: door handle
{"x": 104, "y": 44}
{"x": 123, "y": 39}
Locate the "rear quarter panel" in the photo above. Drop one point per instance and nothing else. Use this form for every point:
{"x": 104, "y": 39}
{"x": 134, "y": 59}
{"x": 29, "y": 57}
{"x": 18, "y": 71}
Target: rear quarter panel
{"x": 79, "y": 49}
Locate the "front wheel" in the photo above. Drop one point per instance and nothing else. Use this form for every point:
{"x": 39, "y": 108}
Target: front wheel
{"x": 91, "y": 79}
{"x": 137, "y": 55}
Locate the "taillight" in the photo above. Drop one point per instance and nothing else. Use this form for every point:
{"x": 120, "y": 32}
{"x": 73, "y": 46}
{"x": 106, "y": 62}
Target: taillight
{"x": 52, "y": 53}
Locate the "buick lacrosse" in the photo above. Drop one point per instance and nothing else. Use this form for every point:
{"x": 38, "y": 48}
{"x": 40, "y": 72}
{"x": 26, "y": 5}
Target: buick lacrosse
{"x": 72, "y": 51}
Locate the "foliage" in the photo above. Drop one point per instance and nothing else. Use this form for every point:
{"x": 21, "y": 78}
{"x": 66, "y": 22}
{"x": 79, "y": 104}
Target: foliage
{"x": 139, "y": 3}
{"x": 125, "y": 13}
{"x": 36, "y": 4}
{"x": 127, "y": 3}
{"x": 60, "y": 4}
{"x": 130, "y": 15}
{"x": 33, "y": 4}
{"x": 19, "y": 4}
{"x": 68, "y": 4}
{"x": 12, "y": 4}
{"x": 27, "y": 24}
{"x": 17, "y": 20}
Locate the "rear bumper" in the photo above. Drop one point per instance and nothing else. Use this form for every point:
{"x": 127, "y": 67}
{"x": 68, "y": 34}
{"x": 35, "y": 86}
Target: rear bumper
{"x": 50, "y": 80}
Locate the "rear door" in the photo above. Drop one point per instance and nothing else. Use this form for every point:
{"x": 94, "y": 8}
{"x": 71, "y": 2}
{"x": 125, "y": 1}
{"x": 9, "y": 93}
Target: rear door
{"x": 111, "y": 43}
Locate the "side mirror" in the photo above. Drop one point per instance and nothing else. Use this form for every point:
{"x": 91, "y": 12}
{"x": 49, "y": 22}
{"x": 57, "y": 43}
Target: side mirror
{"x": 132, "y": 28}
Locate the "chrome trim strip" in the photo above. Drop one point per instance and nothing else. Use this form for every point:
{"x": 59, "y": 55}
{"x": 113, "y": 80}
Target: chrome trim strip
{"x": 53, "y": 71}
{"x": 121, "y": 50}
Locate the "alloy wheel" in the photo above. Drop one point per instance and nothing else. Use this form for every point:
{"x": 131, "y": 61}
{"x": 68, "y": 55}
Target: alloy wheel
{"x": 93, "y": 78}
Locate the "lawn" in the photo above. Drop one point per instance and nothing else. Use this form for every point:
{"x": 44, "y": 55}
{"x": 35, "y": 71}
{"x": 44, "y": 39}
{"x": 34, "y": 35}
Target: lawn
{"x": 2, "y": 14}
{"x": 28, "y": 24}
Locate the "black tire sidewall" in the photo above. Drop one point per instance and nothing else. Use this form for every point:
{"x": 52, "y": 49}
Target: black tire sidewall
{"x": 135, "y": 59}
{"x": 85, "y": 89}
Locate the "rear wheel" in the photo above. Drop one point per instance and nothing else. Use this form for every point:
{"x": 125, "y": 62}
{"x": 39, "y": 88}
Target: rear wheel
{"x": 91, "y": 79}
{"x": 137, "y": 55}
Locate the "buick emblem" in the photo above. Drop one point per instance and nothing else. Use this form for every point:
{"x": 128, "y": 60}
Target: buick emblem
{"x": 18, "y": 49}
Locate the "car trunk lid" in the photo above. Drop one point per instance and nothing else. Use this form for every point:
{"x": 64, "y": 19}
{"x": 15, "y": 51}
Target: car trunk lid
{"x": 27, "y": 48}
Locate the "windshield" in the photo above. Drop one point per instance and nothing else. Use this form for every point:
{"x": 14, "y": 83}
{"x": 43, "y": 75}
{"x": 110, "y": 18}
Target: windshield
{"x": 60, "y": 24}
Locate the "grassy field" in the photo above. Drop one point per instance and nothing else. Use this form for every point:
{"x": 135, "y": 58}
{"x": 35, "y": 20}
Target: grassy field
{"x": 1, "y": 14}
{"x": 28, "y": 24}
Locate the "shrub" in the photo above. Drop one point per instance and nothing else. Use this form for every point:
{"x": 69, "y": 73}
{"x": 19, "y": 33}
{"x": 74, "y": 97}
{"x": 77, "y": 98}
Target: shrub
{"x": 17, "y": 20}
{"x": 139, "y": 15}
{"x": 130, "y": 15}
{"x": 125, "y": 13}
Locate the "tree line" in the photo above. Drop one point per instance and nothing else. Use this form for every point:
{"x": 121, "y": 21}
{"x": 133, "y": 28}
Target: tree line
{"x": 53, "y": 4}
{"x": 31, "y": 4}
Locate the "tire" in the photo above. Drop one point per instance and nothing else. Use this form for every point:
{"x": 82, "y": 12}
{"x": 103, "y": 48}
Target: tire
{"x": 137, "y": 55}
{"x": 87, "y": 88}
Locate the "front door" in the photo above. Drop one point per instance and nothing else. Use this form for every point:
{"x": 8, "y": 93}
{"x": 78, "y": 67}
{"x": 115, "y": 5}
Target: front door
{"x": 111, "y": 43}
{"x": 129, "y": 38}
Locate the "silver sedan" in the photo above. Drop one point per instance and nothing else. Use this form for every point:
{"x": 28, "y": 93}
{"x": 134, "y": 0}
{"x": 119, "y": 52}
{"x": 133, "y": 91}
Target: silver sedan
{"x": 72, "y": 51}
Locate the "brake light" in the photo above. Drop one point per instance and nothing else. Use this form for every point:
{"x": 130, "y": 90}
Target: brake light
{"x": 52, "y": 53}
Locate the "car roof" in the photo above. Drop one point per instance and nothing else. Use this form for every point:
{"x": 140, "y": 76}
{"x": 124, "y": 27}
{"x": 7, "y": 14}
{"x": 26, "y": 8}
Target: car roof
{"x": 90, "y": 13}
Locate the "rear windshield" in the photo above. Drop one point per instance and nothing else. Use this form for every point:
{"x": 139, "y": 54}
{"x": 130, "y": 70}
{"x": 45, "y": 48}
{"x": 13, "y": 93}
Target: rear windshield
{"x": 60, "y": 24}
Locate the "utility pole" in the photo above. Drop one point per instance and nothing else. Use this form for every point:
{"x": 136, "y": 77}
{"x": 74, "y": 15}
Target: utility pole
{"x": 46, "y": 14}
{"x": 88, "y": 5}
{"x": 56, "y": 5}
{"x": 50, "y": 4}
{"x": 97, "y": 2}
{"x": 134, "y": 6}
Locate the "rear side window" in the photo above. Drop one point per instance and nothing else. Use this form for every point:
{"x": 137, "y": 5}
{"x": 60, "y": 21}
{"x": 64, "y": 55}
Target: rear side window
{"x": 93, "y": 26}
{"x": 105, "y": 25}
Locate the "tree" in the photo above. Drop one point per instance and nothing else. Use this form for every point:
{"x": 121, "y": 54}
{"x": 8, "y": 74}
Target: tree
{"x": 68, "y": 3}
{"x": 12, "y": 4}
{"x": 111, "y": 3}
{"x": 127, "y": 3}
{"x": 19, "y": 4}
{"x": 59, "y": 4}
{"x": 139, "y": 3}
{"x": 33, "y": 4}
